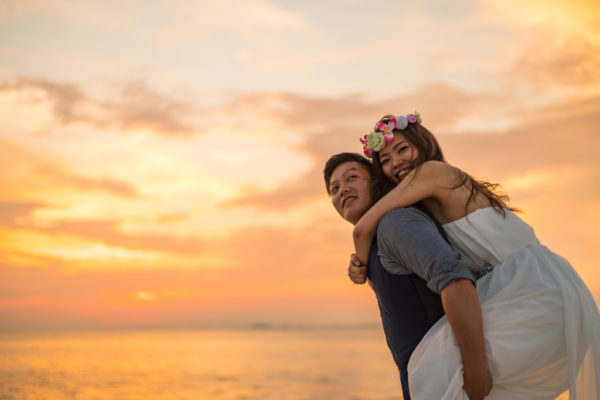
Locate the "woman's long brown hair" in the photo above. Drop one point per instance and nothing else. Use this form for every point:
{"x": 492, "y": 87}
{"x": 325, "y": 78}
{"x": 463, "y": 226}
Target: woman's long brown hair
{"x": 429, "y": 149}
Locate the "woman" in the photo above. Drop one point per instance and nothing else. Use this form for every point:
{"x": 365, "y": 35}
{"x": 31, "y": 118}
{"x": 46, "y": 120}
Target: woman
{"x": 541, "y": 324}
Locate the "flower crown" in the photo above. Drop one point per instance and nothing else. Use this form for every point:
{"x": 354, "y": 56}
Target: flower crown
{"x": 384, "y": 132}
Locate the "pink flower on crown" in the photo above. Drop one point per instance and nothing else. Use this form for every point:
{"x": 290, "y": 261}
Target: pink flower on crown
{"x": 366, "y": 150}
{"x": 387, "y": 129}
{"x": 413, "y": 118}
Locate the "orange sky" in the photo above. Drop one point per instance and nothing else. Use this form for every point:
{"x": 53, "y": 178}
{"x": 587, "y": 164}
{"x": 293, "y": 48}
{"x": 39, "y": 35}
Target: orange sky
{"x": 161, "y": 164}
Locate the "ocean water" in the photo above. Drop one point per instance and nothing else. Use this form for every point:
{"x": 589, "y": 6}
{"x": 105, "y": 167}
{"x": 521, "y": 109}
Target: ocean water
{"x": 235, "y": 364}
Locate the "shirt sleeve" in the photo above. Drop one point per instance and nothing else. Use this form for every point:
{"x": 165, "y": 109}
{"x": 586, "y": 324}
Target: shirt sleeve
{"x": 409, "y": 242}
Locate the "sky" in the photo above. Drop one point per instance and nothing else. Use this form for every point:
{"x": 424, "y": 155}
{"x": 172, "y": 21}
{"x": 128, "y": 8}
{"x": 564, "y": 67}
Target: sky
{"x": 161, "y": 162}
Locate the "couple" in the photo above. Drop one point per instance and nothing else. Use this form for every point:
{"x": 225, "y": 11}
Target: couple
{"x": 519, "y": 322}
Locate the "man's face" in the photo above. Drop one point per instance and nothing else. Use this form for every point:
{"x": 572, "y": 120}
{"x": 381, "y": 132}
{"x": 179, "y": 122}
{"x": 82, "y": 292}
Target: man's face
{"x": 350, "y": 190}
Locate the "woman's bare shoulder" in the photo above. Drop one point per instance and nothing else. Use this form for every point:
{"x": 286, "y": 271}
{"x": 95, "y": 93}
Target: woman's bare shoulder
{"x": 432, "y": 165}
{"x": 438, "y": 169}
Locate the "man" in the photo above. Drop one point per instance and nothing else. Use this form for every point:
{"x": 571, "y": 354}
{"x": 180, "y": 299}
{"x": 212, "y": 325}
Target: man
{"x": 410, "y": 264}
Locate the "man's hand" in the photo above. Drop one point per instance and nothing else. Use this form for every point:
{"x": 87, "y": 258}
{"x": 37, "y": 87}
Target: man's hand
{"x": 357, "y": 271}
{"x": 477, "y": 384}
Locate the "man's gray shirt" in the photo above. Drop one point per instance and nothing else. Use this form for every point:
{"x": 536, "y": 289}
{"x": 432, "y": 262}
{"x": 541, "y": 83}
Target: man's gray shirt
{"x": 409, "y": 242}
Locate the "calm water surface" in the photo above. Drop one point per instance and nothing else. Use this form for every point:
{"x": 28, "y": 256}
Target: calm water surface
{"x": 308, "y": 364}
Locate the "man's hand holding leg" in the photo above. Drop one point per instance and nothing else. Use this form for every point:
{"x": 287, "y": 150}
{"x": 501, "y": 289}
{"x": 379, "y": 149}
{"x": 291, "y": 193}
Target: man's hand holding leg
{"x": 357, "y": 271}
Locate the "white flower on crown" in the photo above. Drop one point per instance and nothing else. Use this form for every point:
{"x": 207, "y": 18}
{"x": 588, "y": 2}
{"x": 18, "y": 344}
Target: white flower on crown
{"x": 376, "y": 141}
{"x": 401, "y": 122}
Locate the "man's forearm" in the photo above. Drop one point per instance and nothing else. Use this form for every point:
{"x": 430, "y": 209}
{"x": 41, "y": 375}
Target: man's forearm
{"x": 463, "y": 310}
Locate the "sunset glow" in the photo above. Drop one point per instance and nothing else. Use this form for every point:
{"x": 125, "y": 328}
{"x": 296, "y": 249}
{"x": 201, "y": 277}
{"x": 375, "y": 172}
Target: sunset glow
{"x": 161, "y": 164}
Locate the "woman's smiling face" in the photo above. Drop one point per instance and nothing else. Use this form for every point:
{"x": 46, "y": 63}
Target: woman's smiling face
{"x": 398, "y": 158}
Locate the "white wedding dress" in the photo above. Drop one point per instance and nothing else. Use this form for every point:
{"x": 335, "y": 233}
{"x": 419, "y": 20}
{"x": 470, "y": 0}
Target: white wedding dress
{"x": 541, "y": 324}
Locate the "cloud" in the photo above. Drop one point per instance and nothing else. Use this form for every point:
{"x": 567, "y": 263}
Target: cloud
{"x": 65, "y": 178}
{"x": 544, "y": 158}
{"x": 12, "y": 214}
{"x": 66, "y": 98}
{"x": 46, "y": 173}
{"x": 133, "y": 105}
{"x": 32, "y": 298}
{"x": 333, "y": 125}
{"x": 551, "y": 59}
{"x": 136, "y": 105}
{"x": 276, "y": 271}
{"x": 557, "y": 135}
{"x": 319, "y": 115}
{"x": 93, "y": 182}
{"x": 573, "y": 16}
{"x": 109, "y": 232}
{"x": 244, "y": 250}
{"x": 548, "y": 164}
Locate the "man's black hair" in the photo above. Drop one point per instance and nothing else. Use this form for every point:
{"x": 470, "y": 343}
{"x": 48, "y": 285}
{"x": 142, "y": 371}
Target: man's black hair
{"x": 380, "y": 185}
{"x": 338, "y": 159}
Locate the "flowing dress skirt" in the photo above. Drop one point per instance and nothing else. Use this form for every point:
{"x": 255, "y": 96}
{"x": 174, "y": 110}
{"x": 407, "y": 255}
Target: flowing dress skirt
{"x": 541, "y": 326}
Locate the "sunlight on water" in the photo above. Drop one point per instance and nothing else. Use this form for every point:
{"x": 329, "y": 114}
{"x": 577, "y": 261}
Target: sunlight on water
{"x": 313, "y": 364}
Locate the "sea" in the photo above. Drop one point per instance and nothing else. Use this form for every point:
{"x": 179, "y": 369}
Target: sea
{"x": 279, "y": 363}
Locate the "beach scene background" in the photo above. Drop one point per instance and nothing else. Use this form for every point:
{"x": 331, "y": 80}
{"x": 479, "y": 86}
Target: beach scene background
{"x": 164, "y": 224}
